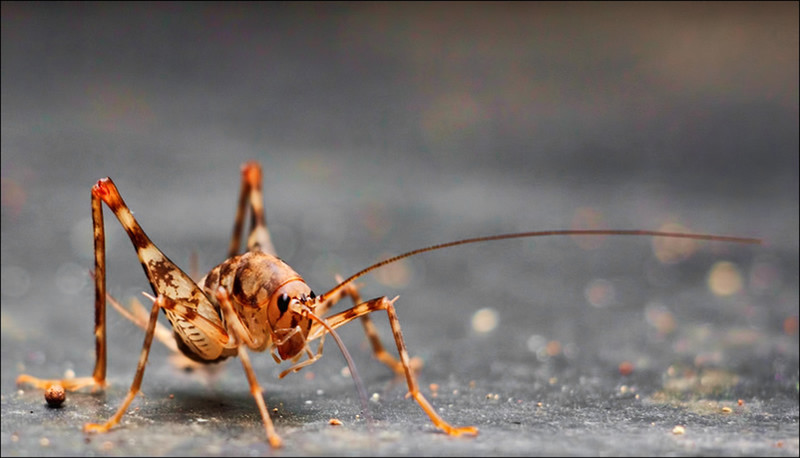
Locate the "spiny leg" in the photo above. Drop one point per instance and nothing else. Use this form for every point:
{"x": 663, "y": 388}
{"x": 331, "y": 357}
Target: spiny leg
{"x": 204, "y": 337}
{"x": 140, "y": 317}
{"x": 234, "y": 326}
{"x": 165, "y": 279}
{"x": 98, "y": 378}
{"x": 160, "y": 302}
{"x": 259, "y": 238}
{"x": 382, "y": 303}
{"x": 351, "y": 291}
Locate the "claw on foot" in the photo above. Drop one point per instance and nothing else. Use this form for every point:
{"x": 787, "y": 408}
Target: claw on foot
{"x": 468, "y": 430}
{"x": 95, "y": 428}
{"x": 69, "y": 384}
{"x": 275, "y": 441}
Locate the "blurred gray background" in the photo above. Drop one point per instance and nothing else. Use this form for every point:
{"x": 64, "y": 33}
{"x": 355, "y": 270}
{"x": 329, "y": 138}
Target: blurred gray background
{"x": 386, "y": 127}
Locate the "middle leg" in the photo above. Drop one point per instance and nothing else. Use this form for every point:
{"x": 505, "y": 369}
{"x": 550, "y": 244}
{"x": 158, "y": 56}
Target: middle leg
{"x": 250, "y": 192}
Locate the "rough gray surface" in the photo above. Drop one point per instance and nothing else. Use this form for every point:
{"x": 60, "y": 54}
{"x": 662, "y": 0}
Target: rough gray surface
{"x": 384, "y": 128}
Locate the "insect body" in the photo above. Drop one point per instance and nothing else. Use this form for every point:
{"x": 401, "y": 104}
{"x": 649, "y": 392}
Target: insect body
{"x": 256, "y": 301}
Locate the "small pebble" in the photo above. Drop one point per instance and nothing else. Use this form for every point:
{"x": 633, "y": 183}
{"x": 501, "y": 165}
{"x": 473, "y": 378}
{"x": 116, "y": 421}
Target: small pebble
{"x": 55, "y": 395}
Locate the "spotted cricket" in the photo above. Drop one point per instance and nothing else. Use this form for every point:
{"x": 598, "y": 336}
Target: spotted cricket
{"x": 256, "y": 301}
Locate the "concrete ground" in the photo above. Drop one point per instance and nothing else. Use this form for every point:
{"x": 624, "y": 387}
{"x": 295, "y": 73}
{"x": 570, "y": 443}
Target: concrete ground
{"x": 387, "y": 128}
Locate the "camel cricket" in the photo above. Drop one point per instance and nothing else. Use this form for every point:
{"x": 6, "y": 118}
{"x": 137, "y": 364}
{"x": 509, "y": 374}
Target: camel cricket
{"x": 256, "y": 301}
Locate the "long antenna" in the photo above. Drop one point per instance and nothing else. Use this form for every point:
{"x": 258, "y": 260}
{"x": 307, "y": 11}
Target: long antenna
{"x": 520, "y": 235}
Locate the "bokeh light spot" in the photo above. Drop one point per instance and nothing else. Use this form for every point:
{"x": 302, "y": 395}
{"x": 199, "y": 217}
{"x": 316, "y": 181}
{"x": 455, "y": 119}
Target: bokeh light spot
{"x": 600, "y": 293}
{"x": 724, "y": 279}
{"x": 588, "y": 218}
{"x": 397, "y": 274}
{"x": 661, "y": 318}
{"x": 765, "y": 277}
{"x": 13, "y": 196}
{"x": 670, "y": 250}
{"x": 71, "y": 278}
{"x": 484, "y": 320}
{"x": 790, "y": 325}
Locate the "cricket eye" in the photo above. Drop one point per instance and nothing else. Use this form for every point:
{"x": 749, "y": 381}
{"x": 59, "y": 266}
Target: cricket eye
{"x": 313, "y": 296}
{"x": 283, "y": 303}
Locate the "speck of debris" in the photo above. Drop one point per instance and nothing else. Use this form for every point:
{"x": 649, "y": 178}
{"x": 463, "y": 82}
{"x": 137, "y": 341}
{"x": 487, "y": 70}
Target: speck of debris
{"x": 44, "y": 442}
{"x": 335, "y": 422}
{"x": 726, "y": 410}
{"x": 678, "y": 430}
{"x": 55, "y": 395}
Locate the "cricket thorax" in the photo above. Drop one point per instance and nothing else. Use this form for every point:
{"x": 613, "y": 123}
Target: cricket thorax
{"x": 268, "y": 297}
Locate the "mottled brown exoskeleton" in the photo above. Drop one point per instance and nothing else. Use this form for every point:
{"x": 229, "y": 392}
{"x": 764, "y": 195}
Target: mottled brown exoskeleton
{"x": 256, "y": 301}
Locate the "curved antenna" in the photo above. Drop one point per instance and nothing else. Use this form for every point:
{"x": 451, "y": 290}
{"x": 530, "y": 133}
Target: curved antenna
{"x": 520, "y": 235}
{"x": 362, "y": 393}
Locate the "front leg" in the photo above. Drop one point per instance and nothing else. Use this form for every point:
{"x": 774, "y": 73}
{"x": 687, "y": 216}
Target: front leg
{"x": 351, "y": 290}
{"x": 382, "y": 303}
{"x": 241, "y": 339}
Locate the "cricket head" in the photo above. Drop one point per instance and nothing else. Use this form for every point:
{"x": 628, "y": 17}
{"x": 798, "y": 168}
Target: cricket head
{"x": 288, "y": 317}
{"x": 270, "y": 298}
